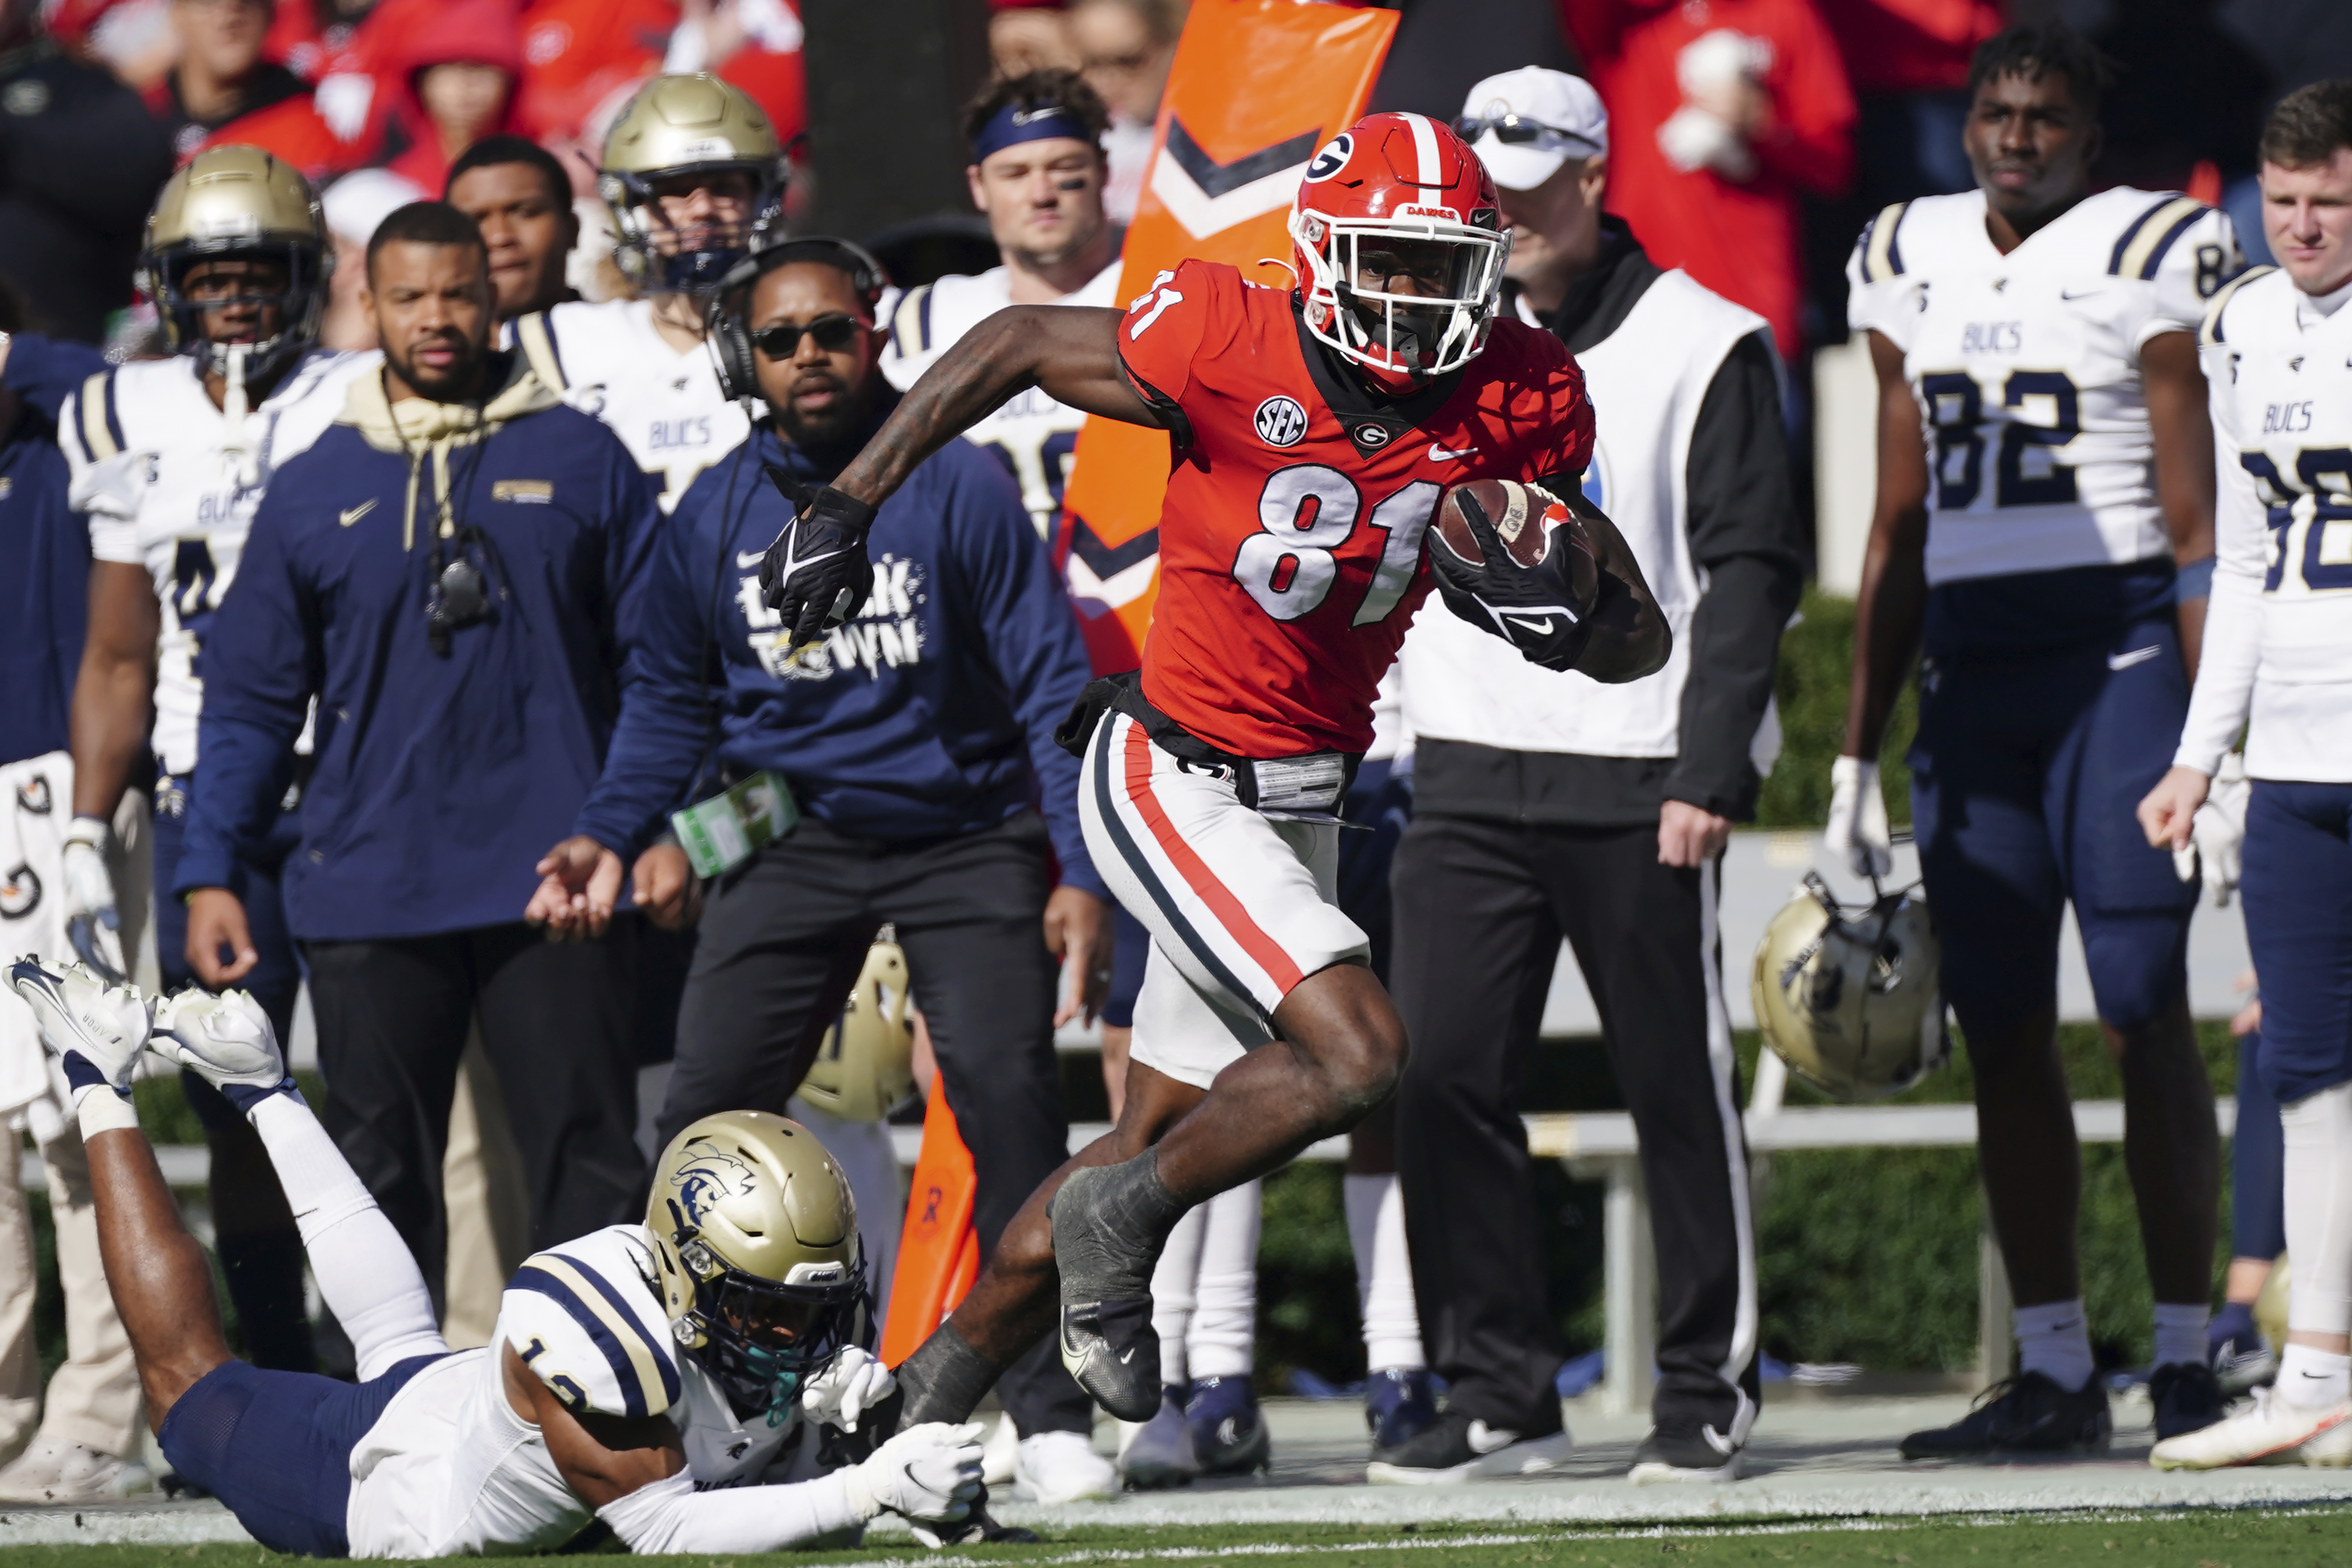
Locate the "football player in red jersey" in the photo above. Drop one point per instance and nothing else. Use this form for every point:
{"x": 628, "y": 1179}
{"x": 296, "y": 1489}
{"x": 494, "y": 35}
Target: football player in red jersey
{"x": 1314, "y": 432}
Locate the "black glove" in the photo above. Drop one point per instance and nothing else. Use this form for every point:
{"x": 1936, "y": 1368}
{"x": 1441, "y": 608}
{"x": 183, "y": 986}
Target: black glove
{"x": 1536, "y": 609}
{"x": 817, "y": 574}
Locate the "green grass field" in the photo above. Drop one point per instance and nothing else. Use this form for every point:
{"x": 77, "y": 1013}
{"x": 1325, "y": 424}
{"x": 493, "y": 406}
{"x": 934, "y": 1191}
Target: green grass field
{"x": 2319, "y": 1538}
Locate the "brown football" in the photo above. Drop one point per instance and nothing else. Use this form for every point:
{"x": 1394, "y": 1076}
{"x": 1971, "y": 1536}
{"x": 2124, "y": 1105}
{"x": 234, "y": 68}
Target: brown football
{"x": 1524, "y": 518}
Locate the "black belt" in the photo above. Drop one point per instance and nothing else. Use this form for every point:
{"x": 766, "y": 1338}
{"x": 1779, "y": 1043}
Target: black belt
{"x": 1303, "y": 788}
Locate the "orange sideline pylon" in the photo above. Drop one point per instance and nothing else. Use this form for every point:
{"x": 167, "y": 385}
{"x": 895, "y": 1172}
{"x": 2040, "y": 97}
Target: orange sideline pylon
{"x": 1256, "y": 89}
{"x": 939, "y": 1256}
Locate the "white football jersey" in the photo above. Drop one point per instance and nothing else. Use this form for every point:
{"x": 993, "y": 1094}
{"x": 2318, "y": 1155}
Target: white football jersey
{"x": 2278, "y": 632}
{"x": 611, "y": 362}
{"x": 1033, "y": 435}
{"x": 2026, "y": 367}
{"x": 449, "y": 1469}
{"x": 168, "y": 485}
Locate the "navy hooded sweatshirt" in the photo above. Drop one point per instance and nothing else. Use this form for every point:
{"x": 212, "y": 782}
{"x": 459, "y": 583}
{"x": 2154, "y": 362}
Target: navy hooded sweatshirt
{"x": 43, "y": 553}
{"x": 440, "y": 779}
{"x": 929, "y": 716}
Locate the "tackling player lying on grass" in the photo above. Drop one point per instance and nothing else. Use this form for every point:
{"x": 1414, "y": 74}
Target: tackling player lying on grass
{"x": 1315, "y": 432}
{"x": 695, "y": 1383}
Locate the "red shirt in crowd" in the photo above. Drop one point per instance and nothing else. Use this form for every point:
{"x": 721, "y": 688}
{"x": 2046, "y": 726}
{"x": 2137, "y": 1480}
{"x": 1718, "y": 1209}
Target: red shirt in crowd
{"x": 1738, "y": 238}
{"x": 1909, "y": 46}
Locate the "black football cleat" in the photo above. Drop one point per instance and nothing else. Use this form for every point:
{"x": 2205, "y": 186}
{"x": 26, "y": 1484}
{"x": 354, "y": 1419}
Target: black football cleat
{"x": 1229, "y": 1432}
{"x": 2187, "y": 1398}
{"x": 1458, "y": 1448}
{"x": 1684, "y": 1448}
{"x": 1108, "y": 1340}
{"x": 2028, "y": 1414}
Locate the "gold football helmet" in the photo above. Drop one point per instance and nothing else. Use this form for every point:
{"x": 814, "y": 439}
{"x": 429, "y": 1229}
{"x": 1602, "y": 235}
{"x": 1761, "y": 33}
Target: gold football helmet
{"x": 755, "y": 1238}
{"x": 866, "y": 1065}
{"x": 238, "y": 203}
{"x": 677, "y": 126}
{"x": 1851, "y": 1000}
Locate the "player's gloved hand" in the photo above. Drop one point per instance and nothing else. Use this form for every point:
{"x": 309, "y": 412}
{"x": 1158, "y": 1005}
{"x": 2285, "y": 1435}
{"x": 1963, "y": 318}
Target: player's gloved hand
{"x": 1857, "y": 832}
{"x": 929, "y": 1472}
{"x": 817, "y": 574}
{"x": 92, "y": 924}
{"x": 2217, "y": 834}
{"x": 852, "y": 1383}
{"x": 1541, "y": 609}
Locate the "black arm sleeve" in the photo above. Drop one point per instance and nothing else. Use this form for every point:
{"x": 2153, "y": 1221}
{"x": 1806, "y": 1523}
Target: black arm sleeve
{"x": 1746, "y": 536}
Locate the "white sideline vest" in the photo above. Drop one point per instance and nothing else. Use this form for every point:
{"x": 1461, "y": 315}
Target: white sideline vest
{"x": 1646, "y": 379}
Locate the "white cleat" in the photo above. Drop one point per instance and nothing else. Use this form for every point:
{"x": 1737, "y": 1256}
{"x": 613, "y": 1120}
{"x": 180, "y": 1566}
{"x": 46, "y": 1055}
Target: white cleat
{"x": 55, "y": 1472}
{"x": 94, "y": 1029}
{"x": 227, "y": 1040}
{"x": 1056, "y": 1468}
{"x": 2265, "y": 1430}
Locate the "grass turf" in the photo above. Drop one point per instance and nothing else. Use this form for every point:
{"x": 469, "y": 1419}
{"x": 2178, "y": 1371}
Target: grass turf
{"x": 2266, "y": 1538}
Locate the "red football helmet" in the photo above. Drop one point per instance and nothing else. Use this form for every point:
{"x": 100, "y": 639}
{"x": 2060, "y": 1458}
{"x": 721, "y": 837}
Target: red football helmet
{"x": 1399, "y": 196}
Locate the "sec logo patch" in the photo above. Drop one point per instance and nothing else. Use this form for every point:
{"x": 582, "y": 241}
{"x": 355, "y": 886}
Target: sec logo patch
{"x": 1281, "y": 422}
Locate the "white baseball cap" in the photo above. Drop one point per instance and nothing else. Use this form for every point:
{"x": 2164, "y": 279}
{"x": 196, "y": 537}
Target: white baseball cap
{"x": 1524, "y": 124}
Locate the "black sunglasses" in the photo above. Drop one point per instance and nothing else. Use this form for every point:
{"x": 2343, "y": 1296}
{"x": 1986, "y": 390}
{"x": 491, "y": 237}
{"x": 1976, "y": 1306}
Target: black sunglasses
{"x": 1518, "y": 131}
{"x": 833, "y": 334}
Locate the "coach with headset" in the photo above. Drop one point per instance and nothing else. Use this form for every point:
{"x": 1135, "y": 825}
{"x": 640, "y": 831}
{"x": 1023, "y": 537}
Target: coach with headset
{"x": 915, "y": 743}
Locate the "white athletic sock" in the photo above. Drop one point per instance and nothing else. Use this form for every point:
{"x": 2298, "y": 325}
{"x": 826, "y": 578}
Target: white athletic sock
{"x": 98, "y": 1108}
{"x": 2181, "y": 1333}
{"x": 364, "y": 1270}
{"x": 1225, "y": 1326}
{"x": 2313, "y": 1379}
{"x": 1383, "y": 1274}
{"x": 2055, "y": 1339}
{"x": 1175, "y": 1293}
{"x": 2318, "y": 1178}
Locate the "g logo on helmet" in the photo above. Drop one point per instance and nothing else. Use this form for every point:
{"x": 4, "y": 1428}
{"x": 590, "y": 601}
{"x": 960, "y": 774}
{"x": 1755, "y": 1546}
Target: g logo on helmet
{"x": 710, "y": 1175}
{"x": 1332, "y": 159}
{"x": 1281, "y": 422}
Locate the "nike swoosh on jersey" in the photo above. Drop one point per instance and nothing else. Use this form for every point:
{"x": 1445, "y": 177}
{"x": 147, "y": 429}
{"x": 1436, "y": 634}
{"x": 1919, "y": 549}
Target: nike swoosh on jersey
{"x": 749, "y": 557}
{"x": 350, "y": 515}
{"x": 1438, "y": 454}
{"x": 2083, "y": 294}
{"x": 2136, "y": 656}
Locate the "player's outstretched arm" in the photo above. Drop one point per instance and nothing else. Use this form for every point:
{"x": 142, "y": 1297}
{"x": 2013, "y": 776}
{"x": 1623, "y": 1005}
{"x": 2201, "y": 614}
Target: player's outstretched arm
{"x": 1631, "y": 637}
{"x": 632, "y": 1472}
{"x": 817, "y": 574}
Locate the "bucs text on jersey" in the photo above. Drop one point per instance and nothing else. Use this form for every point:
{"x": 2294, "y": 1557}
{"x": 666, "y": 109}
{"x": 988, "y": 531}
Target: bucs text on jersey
{"x": 611, "y": 362}
{"x": 2278, "y": 634}
{"x": 1291, "y": 536}
{"x": 2026, "y": 367}
{"x": 1033, "y": 436}
{"x": 168, "y": 484}
{"x": 449, "y": 1469}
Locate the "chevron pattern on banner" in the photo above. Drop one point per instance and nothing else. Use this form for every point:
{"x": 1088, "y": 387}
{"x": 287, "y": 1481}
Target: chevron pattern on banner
{"x": 1208, "y": 198}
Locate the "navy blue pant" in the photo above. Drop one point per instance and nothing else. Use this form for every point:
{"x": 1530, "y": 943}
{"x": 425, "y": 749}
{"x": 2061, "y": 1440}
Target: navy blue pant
{"x": 2257, "y": 1162}
{"x": 275, "y": 1448}
{"x": 2297, "y": 884}
{"x": 2024, "y": 778}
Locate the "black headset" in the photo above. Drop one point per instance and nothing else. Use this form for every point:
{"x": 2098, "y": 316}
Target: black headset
{"x": 731, "y": 336}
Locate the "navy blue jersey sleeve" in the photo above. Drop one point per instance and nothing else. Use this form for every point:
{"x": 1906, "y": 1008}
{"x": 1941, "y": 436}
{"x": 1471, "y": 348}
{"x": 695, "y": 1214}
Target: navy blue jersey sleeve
{"x": 262, "y": 664}
{"x": 1031, "y": 636}
{"x": 667, "y": 703}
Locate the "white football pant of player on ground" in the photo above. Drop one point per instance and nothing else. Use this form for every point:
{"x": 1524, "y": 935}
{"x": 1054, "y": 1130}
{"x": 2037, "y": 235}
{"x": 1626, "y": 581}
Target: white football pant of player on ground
{"x": 642, "y": 1375}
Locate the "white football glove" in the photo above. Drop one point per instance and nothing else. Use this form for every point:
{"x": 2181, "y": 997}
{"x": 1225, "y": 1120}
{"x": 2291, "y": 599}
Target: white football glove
{"x": 929, "y": 1472}
{"x": 852, "y": 1383}
{"x": 1857, "y": 832}
{"x": 226, "y": 1039}
{"x": 2217, "y": 835}
{"x": 92, "y": 926}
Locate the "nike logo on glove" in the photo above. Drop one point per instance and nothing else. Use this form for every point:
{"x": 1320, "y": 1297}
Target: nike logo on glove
{"x": 1539, "y": 628}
